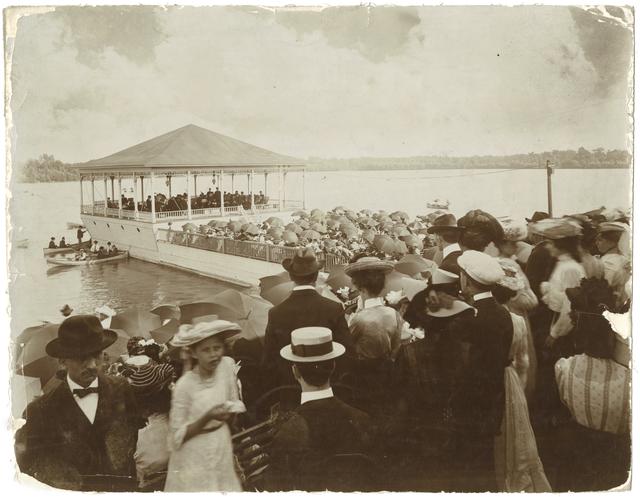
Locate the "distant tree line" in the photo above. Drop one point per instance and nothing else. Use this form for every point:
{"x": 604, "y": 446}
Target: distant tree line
{"x": 564, "y": 159}
{"x": 47, "y": 168}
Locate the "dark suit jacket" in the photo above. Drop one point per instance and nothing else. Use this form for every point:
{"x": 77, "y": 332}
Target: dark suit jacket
{"x": 479, "y": 401}
{"x": 539, "y": 267}
{"x": 302, "y": 308}
{"x": 317, "y": 430}
{"x": 59, "y": 446}
{"x": 450, "y": 262}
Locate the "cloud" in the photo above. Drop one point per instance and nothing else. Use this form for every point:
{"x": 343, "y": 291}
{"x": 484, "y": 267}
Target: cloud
{"x": 606, "y": 43}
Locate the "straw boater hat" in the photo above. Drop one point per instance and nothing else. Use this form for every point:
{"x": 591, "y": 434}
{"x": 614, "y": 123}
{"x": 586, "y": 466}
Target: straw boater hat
{"x": 303, "y": 263}
{"x": 369, "y": 264}
{"x": 481, "y": 267}
{"x": 556, "y": 229}
{"x": 190, "y": 334}
{"x": 442, "y": 277}
{"x": 80, "y": 336}
{"x": 457, "y": 307}
{"x": 445, "y": 222}
{"x": 312, "y": 344}
{"x": 613, "y": 226}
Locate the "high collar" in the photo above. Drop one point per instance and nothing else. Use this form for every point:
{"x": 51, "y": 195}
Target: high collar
{"x": 305, "y": 397}
{"x": 374, "y": 302}
{"x": 454, "y": 247}
{"x": 482, "y": 296}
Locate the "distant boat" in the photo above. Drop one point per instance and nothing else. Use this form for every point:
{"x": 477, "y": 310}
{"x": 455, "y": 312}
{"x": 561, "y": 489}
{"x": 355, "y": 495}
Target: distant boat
{"x": 438, "y": 204}
{"x": 69, "y": 248}
{"x": 24, "y": 243}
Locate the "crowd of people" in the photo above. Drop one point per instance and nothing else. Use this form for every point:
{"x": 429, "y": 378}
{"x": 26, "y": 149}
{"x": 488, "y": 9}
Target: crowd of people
{"x": 503, "y": 374}
{"x": 179, "y": 202}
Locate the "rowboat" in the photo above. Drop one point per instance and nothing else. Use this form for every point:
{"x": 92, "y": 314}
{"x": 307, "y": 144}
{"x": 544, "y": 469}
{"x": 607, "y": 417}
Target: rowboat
{"x": 22, "y": 243}
{"x": 68, "y": 248}
{"x": 63, "y": 261}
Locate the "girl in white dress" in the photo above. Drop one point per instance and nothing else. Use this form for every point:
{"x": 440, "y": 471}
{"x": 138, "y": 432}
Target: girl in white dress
{"x": 203, "y": 400}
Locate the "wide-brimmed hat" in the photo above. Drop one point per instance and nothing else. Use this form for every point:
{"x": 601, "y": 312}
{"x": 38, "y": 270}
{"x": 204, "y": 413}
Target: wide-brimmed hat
{"x": 556, "y": 229}
{"x": 147, "y": 377}
{"x": 303, "y": 263}
{"x": 445, "y": 222}
{"x": 613, "y": 226}
{"x": 481, "y": 267}
{"x": 514, "y": 231}
{"x": 537, "y": 216}
{"x": 456, "y": 308}
{"x": 312, "y": 344}
{"x": 442, "y": 277}
{"x": 190, "y": 334}
{"x": 80, "y": 336}
{"x": 369, "y": 264}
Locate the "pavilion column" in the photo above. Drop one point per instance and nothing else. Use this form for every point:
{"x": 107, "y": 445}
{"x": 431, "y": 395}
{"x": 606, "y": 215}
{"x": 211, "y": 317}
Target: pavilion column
{"x": 284, "y": 187}
{"x": 113, "y": 194}
{"x": 195, "y": 185}
{"x": 304, "y": 190}
{"x": 142, "y": 189}
{"x": 188, "y": 196}
{"x": 253, "y": 203}
{"x": 221, "y": 193}
{"x": 233, "y": 189}
{"x": 119, "y": 196}
{"x": 280, "y": 188}
{"x": 81, "y": 197}
{"x": 105, "y": 195}
{"x": 266, "y": 175}
{"x": 135, "y": 196}
{"x": 153, "y": 199}
{"x": 93, "y": 195}
{"x": 169, "y": 181}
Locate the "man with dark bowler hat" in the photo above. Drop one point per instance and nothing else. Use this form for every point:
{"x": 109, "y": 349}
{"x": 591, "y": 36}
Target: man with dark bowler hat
{"x": 447, "y": 233}
{"x": 322, "y": 426}
{"x": 304, "y": 307}
{"x": 81, "y": 435}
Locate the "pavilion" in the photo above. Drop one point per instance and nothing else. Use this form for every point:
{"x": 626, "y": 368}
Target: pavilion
{"x": 190, "y": 152}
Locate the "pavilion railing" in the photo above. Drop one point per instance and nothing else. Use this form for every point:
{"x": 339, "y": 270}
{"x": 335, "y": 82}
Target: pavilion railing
{"x": 241, "y": 248}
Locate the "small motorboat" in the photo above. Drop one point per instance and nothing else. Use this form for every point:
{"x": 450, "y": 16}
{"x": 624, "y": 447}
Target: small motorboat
{"x": 65, "y": 261}
{"x": 438, "y": 204}
{"x": 69, "y": 248}
{"x": 24, "y": 243}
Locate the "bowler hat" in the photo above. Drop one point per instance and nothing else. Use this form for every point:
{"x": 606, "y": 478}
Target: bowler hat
{"x": 303, "y": 263}
{"x": 446, "y": 222}
{"x": 80, "y": 336}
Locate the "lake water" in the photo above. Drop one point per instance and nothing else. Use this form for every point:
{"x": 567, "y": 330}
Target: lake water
{"x": 39, "y": 211}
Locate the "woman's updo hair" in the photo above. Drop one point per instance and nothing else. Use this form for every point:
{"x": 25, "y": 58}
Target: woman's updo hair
{"x": 475, "y": 239}
{"x": 570, "y": 245}
{"x": 502, "y": 294}
{"x": 370, "y": 281}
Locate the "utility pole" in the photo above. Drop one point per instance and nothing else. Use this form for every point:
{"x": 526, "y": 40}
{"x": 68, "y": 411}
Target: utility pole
{"x": 549, "y": 193}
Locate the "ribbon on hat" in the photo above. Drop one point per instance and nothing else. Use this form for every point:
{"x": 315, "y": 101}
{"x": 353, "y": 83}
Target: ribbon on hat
{"x": 316, "y": 349}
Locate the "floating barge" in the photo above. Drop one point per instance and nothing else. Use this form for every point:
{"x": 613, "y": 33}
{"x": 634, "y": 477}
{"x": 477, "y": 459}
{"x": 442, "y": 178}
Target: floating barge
{"x": 194, "y": 155}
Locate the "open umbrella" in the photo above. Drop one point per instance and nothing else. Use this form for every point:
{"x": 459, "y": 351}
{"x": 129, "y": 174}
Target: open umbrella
{"x": 366, "y": 212}
{"x": 368, "y": 235}
{"x": 303, "y": 224}
{"x": 296, "y": 228}
{"x": 251, "y": 229}
{"x": 330, "y": 244}
{"x": 412, "y": 241}
{"x": 289, "y": 237}
{"x": 23, "y": 390}
{"x": 351, "y": 215}
{"x": 386, "y": 226}
{"x": 195, "y": 310}
{"x": 339, "y": 210}
{"x": 119, "y": 347}
{"x": 347, "y": 227}
{"x": 217, "y": 223}
{"x": 267, "y": 282}
{"x": 338, "y": 278}
{"x": 189, "y": 227}
{"x": 316, "y": 213}
{"x": 300, "y": 213}
{"x": 167, "y": 311}
{"x": 415, "y": 226}
{"x": 368, "y": 222}
{"x": 400, "y": 231}
{"x": 274, "y": 221}
{"x": 32, "y": 342}
{"x": 165, "y": 332}
{"x": 351, "y": 233}
{"x": 396, "y": 281}
{"x": 310, "y": 235}
{"x": 384, "y": 243}
{"x": 135, "y": 322}
{"x": 275, "y": 233}
{"x": 400, "y": 247}
{"x": 250, "y": 312}
{"x": 333, "y": 223}
{"x": 400, "y": 216}
{"x": 235, "y": 226}
{"x": 412, "y": 264}
{"x": 319, "y": 227}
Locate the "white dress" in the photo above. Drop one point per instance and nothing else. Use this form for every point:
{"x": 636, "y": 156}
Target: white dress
{"x": 205, "y": 462}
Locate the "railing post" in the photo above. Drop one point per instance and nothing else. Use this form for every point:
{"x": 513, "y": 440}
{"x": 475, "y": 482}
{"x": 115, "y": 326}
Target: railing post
{"x": 252, "y": 194}
{"x": 284, "y": 188}
{"x": 221, "y": 192}
{"x": 153, "y": 199}
{"x": 81, "y": 197}
{"x": 119, "y": 196}
{"x": 135, "y": 196}
{"x": 93, "y": 196}
{"x": 188, "y": 196}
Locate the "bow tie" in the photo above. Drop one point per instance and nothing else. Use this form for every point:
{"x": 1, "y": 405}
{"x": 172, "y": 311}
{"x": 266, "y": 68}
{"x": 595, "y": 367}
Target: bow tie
{"x": 83, "y": 392}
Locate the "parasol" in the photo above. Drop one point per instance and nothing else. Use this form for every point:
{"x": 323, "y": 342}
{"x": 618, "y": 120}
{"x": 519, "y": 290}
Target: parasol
{"x": 267, "y": 282}
{"x": 167, "y": 311}
{"x": 412, "y": 241}
{"x": 294, "y": 227}
{"x": 338, "y": 278}
{"x": 189, "y": 227}
{"x": 333, "y": 223}
{"x": 303, "y": 224}
{"x": 279, "y": 293}
{"x": 274, "y": 221}
{"x": 275, "y": 233}
{"x": 317, "y": 213}
{"x": 251, "y": 229}
{"x": 400, "y": 231}
{"x": 136, "y": 322}
{"x": 235, "y": 226}
{"x": 195, "y": 310}
{"x": 250, "y": 312}
{"x": 319, "y": 227}
{"x": 289, "y": 237}
{"x": 165, "y": 332}
{"x": 384, "y": 243}
{"x": 300, "y": 213}
{"x": 369, "y": 235}
{"x": 401, "y": 282}
{"x": 413, "y": 264}
{"x": 310, "y": 235}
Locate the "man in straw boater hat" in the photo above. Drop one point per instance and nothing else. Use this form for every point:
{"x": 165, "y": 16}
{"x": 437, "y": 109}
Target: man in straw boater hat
{"x": 82, "y": 434}
{"x": 304, "y": 307}
{"x": 322, "y": 426}
{"x": 479, "y": 403}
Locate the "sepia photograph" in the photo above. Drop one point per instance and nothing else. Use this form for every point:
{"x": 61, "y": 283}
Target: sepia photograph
{"x": 336, "y": 248}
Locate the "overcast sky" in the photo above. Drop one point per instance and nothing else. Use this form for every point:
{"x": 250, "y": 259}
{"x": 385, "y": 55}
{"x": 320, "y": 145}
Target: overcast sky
{"x": 341, "y": 82}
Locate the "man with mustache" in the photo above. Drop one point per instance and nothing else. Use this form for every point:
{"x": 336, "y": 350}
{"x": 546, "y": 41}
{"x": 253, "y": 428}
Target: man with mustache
{"x": 82, "y": 434}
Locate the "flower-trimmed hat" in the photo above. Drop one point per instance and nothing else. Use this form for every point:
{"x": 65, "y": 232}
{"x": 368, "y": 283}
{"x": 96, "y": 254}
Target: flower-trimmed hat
{"x": 369, "y": 264}
{"x": 190, "y": 334}
{"x": 145, "y": 376}
{"x": 555, "y": 229}
{"x": 312, "y": 344}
